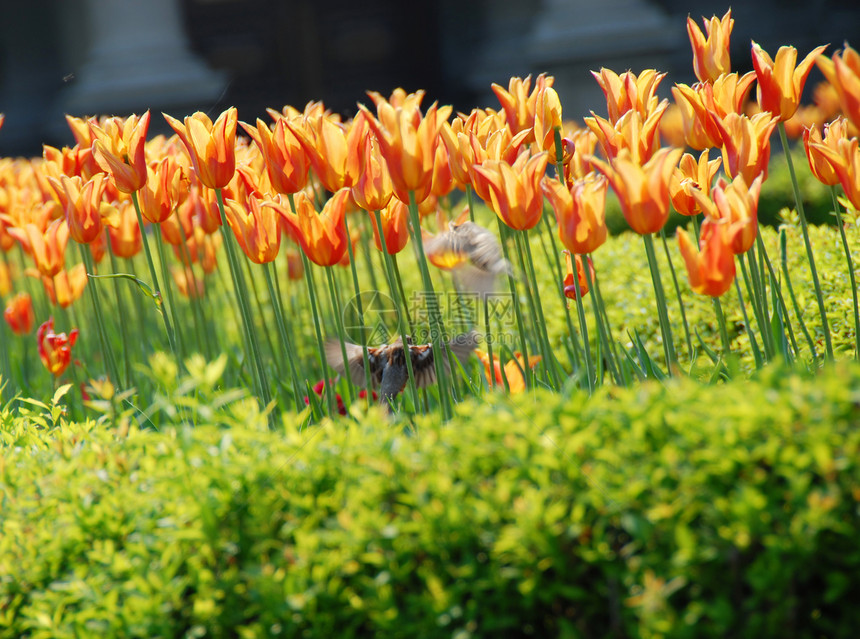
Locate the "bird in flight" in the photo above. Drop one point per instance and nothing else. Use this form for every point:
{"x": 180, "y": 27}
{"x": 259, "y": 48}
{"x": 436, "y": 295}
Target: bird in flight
{"x": 473, "y": 255}
{"x": 387, "y": 363}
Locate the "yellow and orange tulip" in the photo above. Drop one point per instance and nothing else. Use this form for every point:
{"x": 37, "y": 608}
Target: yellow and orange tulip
{"x": 211, "y": 146}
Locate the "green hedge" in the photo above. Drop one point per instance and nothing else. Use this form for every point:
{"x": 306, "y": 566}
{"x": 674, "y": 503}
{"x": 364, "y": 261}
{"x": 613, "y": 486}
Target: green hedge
{"x": 674, "y": 510}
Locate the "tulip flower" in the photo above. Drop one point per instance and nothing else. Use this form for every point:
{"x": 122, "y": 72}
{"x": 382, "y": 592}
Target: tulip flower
{"x": 295, "y": 266}
{"x": 5, "y": 278}
{"x": 631, "y": 131}
{"x": 47, "y": 249}
{"x": 285, "y": 159}
{"x": 81, "y": 205}
{"x": 547, "y": 118}
{"x": 188, "y": 283}
{"x": 124, "y": 233}
{"x": 372, "y": 190}
{"x": 514, "y": 190}
{"x": 711, "y": 51}
{"x": 578, "y": 146}
{"x": 256, "y": 229}
{"x": 408, "y": 143}
{"x": 211, "y": 147}
{"x": 518, "y": 103}
{"x": 322, "y": 235}
{"x": 330, "y": 148}
{"x": 580, "y": 211}
{"x": 746, "y": 144}
{"x": 19, "y": 314}
{"x": 55, "y": 349}
{"x": 642, "y": 190}
{"x": 119, "y": 150}
{"x": 395, "y": 227}
{"x": 581, "y": 277}
{"x": 843, "y": 74}
{"x": 780, "y": 83}
{"x": 442, "y": 182}
{"x": 161, "y": 193}
{"x": 67, "y": 286}
{"x": 712, "y": 268}
{"x": 692, "y": 174}
{"x": 735, "y": 204}
{"x": 513, "y": 370}
{"x": 822, "y": 165}
{"x": 845, "y": 160}
{"x": 629, "y": 92}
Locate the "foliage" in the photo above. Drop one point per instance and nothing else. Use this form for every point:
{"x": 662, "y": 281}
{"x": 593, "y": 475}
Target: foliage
{"x": 671, "y": 509}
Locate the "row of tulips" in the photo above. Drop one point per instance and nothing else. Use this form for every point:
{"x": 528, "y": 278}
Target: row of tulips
{"x": 300, "y": 179}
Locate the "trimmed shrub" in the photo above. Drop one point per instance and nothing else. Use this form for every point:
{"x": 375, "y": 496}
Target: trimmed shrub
{"x": 672, "y": 510}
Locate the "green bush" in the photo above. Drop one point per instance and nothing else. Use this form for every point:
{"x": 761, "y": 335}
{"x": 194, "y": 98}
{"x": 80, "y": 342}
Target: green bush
{"x": 673, "y": 510}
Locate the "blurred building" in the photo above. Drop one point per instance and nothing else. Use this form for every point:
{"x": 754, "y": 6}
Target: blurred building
{"x": 122, "y": 56}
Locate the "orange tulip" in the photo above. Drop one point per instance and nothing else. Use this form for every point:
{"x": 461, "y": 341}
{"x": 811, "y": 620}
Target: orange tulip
{"x": 547, "y": 118}
{"x": 520, "y": 105}
{"x": 188, "y": 283}
{"x": 408, "y": 143}
{"x": 580, "y": 211}
{"x": 631, "y": 131}
{"x": 703, "y": 102}
{"x": 47, "y": 249}
{"x": 746, "y": 144}
{"x": 578, "y": 146}
{"x": 119, "y": 150}
{"x": 330, "y": 148}
{"x": 285, "y": 159}
{"x": 711, "y": 52}
{"x": 780, "y": 84}
{"x": 256, "y": 229}
{"x": 712, "y": 268}
{"x": 81, "y": 205}
{"x": 845, "y": 160}
{"x": 295, "y": 266}
{"x": 643, "y": 190}
{"x": 5, "y": 278}
{"x": 513, "y": 370}
{"x": 735, "y": 204}
{"x": 582, "y": 279}
{"x": 395, "y": 227}
{"x": 161, "y": 192}
{"x": 211, "y": 147}
{"x": 628, "y": 92}
{"x": 692, "y": 174}
{"x": 322, "y": 235}
{"x": 372, "y": 190}
{"x": 822, "y": 166}
{"x": 67, "y": 286}
{"x": 19, "y": 314}
{"x": 514, "y": 190}
{"x": 55, "y": 349}
{"x": 125, "y": 237}
{"x": 843, "y": 73}
{"x": 442, "y": 182}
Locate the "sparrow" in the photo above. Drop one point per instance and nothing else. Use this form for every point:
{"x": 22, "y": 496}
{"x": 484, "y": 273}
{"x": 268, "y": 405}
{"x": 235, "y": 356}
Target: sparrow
{"x": 472, "y": 253}
{"x": 387, "y": 363}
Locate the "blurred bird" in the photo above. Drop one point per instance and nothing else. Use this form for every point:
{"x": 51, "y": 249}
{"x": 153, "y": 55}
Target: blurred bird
{"x": 473, "y": 255}
{"x": 387, "y": 363}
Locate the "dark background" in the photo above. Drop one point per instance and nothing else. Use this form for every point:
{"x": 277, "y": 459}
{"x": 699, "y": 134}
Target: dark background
{"x": 291, "y": 51}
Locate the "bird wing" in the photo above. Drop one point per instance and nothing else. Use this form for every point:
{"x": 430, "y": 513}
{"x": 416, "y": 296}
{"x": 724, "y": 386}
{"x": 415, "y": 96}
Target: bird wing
{"x": 376, "y": 357}
{"x": 423, "y": 366}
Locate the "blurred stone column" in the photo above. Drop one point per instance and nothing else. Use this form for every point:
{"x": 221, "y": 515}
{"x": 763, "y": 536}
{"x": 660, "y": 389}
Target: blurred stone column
{"x": 570, "y": 38}
{"x": 138, "y": 57}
